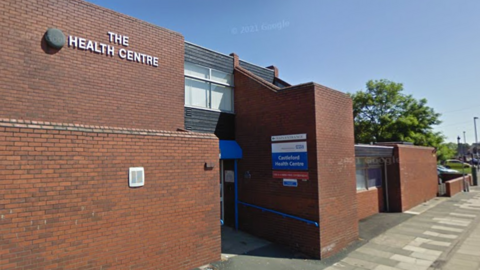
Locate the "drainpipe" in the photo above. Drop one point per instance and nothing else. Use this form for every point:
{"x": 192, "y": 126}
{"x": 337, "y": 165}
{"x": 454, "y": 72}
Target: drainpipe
{"x": 386, "y": 184}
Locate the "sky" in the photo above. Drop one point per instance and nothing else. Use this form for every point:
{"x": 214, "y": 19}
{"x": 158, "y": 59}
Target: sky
{"x": 431, "y": 46}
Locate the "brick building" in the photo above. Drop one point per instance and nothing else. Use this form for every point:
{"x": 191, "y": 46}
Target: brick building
{"x": 394, "y": 177}
{"x": 115, "y": 135}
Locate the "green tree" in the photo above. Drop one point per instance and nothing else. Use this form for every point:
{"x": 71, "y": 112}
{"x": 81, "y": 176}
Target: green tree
{"x": 447, "y": 151}
{"x": 382, "y": 113}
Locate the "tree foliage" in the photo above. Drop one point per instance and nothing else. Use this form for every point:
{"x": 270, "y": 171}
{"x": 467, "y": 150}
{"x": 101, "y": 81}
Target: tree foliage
{"x": 447, "y": 151}
{"x": 382, "y": 113}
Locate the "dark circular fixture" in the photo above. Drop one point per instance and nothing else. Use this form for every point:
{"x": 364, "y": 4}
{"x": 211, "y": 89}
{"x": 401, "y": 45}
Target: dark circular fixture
{"x": 55, "y": 38}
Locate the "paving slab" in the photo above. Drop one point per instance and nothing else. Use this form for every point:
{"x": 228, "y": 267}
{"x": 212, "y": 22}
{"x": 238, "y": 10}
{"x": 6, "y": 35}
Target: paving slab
{"x": 377, "y": 260}
{"x": 443, "y": 234}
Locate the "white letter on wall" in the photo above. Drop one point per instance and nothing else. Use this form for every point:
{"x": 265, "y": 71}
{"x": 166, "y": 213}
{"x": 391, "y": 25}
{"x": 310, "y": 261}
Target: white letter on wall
{"x": 122, "y": 53}
{"x": 110, "y": 36}
{"x": 72, "y": 41}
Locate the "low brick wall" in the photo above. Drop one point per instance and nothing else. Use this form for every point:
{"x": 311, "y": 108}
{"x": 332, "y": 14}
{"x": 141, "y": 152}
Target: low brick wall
{"x": 447, "y": 177}
{"x": 65, "y": 202}
{"x": 455, "y": 185}
{"x": 370, "y": 202}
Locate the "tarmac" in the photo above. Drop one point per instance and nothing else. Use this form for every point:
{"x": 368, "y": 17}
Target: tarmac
{"x": 443, "y": 233}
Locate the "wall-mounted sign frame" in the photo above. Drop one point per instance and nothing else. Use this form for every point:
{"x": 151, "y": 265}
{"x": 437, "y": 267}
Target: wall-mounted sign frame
{"x": 290, "y": 156}
{"x": 290, "y": 137}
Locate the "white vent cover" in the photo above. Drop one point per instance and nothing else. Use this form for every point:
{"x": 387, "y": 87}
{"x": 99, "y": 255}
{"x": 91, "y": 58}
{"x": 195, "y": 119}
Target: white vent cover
{"x": 136, "y": 177}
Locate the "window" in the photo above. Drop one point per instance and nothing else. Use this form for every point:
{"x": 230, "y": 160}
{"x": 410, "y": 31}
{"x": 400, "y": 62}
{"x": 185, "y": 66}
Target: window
{"x": 221, "y": 98}
{"x": 222, "y": 77}
{"x": 374, "y": 177}
{"x": 196, "y": 93}
{"x": 360, "y": 173}
{"x": 208, "y": 88}
{"x": 368, "y": 173}
{"x": 136, "y": 177}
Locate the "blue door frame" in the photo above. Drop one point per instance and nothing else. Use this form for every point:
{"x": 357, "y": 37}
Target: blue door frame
{"x": 230, "y": 150}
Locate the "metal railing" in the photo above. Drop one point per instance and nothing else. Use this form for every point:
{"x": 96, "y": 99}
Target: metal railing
{"x": 280, "y": 213}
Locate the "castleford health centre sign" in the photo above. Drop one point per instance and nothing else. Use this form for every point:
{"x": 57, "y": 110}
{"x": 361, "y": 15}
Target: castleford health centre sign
{"x": 289, "y": 156}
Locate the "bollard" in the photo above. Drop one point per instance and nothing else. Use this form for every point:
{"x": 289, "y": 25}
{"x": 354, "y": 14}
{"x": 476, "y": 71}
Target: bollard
{"x": 475, "y": 175}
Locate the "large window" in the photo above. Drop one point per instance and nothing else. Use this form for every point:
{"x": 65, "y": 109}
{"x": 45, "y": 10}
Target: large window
{"x": 208, "y": 88}
{"x": 368, "y": 173}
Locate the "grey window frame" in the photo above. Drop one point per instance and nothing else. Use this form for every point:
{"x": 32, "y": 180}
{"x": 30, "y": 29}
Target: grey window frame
{"x": 211, "y": 82}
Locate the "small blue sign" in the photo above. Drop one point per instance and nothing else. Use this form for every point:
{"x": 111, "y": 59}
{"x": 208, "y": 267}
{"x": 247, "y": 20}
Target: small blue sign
{"x": 290, "y": 183}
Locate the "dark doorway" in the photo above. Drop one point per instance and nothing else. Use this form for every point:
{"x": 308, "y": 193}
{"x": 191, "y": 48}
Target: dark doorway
{"x": 227, "y": 178}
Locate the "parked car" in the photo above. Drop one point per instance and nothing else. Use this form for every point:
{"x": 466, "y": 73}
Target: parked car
{"x": 443, "y": 170}
{"x": 474, "y": 161}
{"x": 457, "y": 165}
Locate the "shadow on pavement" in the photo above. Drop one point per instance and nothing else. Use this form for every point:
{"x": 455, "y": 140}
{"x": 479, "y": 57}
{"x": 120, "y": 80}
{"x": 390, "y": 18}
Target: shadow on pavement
{"x": 243, "y": 251}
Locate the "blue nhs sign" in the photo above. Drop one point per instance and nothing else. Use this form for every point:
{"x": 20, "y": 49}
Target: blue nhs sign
{"x": 289, "y": 156}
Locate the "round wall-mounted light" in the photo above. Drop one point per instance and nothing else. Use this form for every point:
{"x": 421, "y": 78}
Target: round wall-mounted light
{"x": 55, "y": 38}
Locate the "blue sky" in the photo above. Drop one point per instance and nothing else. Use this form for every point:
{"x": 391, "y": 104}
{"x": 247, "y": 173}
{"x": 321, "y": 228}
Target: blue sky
{"x": 431, "y": 46}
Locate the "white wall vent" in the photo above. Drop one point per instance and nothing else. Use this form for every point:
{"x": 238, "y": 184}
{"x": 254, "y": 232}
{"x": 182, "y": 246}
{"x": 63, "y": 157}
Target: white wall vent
{"x": 136, "y": 177}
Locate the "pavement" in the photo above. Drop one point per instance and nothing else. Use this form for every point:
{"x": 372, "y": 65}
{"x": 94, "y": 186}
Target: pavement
{"x": 443, "y": 233}
{"x": 446, "y": 236}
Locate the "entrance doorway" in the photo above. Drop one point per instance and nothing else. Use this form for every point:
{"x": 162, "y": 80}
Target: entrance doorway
{"x": 230, "y": 152}
{"x": 227, "y": 192}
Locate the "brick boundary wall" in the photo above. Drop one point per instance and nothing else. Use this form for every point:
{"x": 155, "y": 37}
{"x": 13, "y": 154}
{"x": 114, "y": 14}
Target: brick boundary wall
{"x": 447, "y": 177}
{"x": 65, "y": 201}
{"x": 455, "y": 186}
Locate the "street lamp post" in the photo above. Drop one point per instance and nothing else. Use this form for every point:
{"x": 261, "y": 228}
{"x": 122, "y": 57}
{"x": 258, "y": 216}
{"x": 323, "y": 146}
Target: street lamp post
{"x": 476, "y": 138}
{"x": 458, "y": 147}
{"x": 465, "y": 184}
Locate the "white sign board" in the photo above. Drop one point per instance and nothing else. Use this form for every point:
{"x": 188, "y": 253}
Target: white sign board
{"x": 291, "y": 137}
{"x": 289, "y": 147}
{"x": 229, "y": 176}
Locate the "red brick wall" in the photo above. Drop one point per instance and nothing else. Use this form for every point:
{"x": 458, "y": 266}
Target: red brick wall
{"x": 370, "y": 202}
{"x": 418, "y": 175}
{"x": 447, "y": 177}
{"x": 455, "y": 186}
{"x": 336, "y": 170}
{"x": 261, "y": 113}
{"x": 77, "y": 86}
{"x": 392, "y": 184}
{"x": 328, "y": 196}
{"x": 65, "y": 201}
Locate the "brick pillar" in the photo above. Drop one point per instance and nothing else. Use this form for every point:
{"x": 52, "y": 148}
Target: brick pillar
{"x": 275, "y": 70}
{"x": 236, "y": 60}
